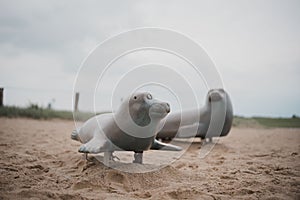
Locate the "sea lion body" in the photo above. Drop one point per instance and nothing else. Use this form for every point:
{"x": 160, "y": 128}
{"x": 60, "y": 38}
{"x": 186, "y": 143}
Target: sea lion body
{"x": 183, "y": 124}
{"x": 132, "y": 128}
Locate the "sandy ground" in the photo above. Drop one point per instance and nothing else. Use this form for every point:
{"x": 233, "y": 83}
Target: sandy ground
{"x": 40, "y": 161}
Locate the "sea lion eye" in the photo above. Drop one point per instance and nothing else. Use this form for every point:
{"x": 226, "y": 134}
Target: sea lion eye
{"x": 149, "y": 96}
{"x": 135, "y": 97}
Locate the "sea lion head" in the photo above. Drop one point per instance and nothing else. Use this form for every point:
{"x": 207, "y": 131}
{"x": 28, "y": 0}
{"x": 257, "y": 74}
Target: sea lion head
{"x": 143, "y": 108}
{"x": 215, "y": 95}
{"x": 220, "y": 100}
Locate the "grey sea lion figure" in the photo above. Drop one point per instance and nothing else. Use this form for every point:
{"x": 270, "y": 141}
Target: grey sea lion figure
{"x": 132, "y": 127}
{"x": 216, "y": 98}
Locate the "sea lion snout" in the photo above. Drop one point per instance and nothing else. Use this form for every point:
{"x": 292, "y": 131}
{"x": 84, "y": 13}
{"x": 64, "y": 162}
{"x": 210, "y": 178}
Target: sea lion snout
{"x": 159, "y": 109}
{"x": 168, "y": 108}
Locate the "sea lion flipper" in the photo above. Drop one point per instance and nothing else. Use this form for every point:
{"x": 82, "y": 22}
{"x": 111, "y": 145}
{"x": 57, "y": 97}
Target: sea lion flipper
{"x": 95, "y": 145}
{"x": 75, "y": 135}
{"x": 157, "y": 145}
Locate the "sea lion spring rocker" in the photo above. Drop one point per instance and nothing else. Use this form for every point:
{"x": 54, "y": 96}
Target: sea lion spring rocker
{"x": 220, "y": 99}
{"x": 132, "y": 127}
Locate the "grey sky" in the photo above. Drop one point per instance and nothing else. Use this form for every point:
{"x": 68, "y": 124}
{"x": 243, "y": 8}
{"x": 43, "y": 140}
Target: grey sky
{"x": 254, "y": 44}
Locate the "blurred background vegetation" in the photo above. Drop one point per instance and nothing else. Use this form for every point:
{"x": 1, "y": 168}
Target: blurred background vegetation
{"x": 36, "y": 112}
{"x": 265, "y": 122}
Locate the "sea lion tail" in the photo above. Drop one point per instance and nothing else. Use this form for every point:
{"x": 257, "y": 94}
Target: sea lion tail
{"x": 74, "y": 135}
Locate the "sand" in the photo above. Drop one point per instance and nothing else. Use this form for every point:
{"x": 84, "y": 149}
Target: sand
{"x": 40, "y": 161}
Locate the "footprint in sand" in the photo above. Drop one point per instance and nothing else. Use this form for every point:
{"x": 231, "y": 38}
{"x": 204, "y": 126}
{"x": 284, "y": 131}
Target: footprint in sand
{"x": 117, "y": 181}
{"x": 188, "y": 194}
{"x": 180, "y": 165}
{"x": 83, "y": 184}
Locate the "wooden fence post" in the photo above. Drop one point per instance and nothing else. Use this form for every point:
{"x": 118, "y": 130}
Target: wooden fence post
{"x": 76, "y": 101}
{"x": 1, "y": 96}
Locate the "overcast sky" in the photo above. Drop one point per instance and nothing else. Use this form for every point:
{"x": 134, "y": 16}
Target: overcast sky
{"x": 254, "y": 44}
